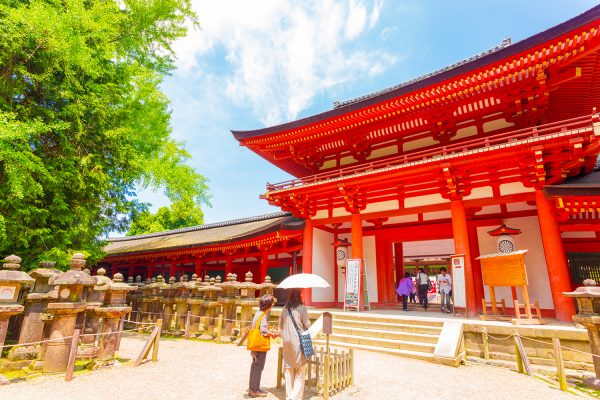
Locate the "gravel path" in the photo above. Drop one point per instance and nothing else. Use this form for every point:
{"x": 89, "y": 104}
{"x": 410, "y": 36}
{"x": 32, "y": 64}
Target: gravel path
{"x": 198, "y": 370}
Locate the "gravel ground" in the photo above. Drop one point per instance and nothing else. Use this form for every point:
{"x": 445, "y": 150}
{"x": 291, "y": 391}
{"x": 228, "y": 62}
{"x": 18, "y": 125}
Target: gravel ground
{"x": 199, "y": 370}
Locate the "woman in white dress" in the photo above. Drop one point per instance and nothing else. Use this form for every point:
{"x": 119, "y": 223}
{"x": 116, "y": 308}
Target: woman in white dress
{"x": 294, "y": 362}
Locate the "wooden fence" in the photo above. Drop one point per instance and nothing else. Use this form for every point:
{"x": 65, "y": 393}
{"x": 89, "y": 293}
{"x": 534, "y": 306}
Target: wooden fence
{"x": 340, "y": 366}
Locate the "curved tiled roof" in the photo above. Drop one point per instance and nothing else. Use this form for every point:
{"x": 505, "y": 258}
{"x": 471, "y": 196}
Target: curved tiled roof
{"x": 462, "y": 67}
{"x": 204, "y": 235}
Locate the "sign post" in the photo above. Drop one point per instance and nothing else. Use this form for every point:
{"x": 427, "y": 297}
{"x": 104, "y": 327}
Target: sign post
{"x": 459, "y": 298}
{"x": 353, "y": 284}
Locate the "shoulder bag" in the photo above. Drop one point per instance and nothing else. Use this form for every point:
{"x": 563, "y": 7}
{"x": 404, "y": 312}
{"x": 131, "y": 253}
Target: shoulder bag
{"x": 305, "y": 341}
{"x": 256, "y": 340}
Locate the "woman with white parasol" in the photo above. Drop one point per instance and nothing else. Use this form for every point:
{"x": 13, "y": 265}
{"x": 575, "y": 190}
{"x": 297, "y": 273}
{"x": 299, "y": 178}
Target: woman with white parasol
{"x": 294, "y": 320}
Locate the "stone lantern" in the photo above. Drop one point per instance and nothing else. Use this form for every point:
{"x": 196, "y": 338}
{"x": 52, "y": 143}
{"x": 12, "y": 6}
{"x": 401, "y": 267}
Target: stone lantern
{"x": 167, "y": 300}
{"x": 134, "y": 298}
{"x": 195, "y": 301}
{"x": 588, "y": 303}
{"x": 34, "y": 327}
{"x": 267, "y": 287}
{"x": 183, "y": 290}
{"x": 212, "y": 306}
{"x": 95, "y": 299}
{"x": 11, "y": 282}
{"x": 70, "y": 303}
{"x": 114, "y": 308}
{"x": 228, "y": 301}
{"x": 247, "y": 301}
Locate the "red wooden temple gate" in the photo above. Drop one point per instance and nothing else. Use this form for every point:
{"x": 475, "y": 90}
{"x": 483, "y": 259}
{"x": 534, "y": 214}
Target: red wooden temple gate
{"x": 449, "y": 155}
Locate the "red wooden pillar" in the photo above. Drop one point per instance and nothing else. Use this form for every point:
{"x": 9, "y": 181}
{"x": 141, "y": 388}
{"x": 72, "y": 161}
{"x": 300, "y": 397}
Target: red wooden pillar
{"x": 307, "y": 249}
{"x": 264, "y": 267}
{"x": 150, "y": 272}
{"x": 335, "y": 271}
{"x": 476, "y": 265}
{"x": 357, "y": 247}
{"x": 556, "y": 260}
{"x": 172, "y": 270}
{"x": 461, "y": 246}
{"x": 131, "y": 271}
{"x": 398, "y": 262}
{"x": 198, "y": 267}
{"x": 228, "y": 265}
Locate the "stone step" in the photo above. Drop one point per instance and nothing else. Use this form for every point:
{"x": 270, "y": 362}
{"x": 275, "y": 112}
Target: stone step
{"x": 385, "y": 350}
{"x": 388, "y": 326}
{"x": 387, "y": 319}
{"x": 387, "y": 334}
{"x": 383, "y": 343}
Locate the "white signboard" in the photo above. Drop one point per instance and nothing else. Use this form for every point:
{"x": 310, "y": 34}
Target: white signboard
{"x": 352, "y": 295}
{"x": 458, "y": 280}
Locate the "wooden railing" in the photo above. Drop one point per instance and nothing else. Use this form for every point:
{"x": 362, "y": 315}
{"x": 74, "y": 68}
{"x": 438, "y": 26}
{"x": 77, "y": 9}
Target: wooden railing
{"x": 584, "y": 122}
{"x": 341, "y": 369}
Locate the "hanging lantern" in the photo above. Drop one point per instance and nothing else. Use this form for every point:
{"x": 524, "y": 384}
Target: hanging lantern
{"x": 341, "y": 252}
{"x": 505, "y": 241}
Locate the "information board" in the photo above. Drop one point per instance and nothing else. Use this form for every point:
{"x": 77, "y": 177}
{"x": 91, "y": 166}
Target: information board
{"x": 353, "y": 278}
{"x": 504, "y": 269}
{"x": 459, "y": 298}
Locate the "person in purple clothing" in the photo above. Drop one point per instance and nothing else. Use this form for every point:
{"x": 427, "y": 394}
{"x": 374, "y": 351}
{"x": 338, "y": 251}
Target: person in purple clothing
{"x": 404, "y": 289}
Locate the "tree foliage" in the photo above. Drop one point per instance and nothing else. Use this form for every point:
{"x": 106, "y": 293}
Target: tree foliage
{"x": 181, "y": 214}
{"x": 83, "y": 123}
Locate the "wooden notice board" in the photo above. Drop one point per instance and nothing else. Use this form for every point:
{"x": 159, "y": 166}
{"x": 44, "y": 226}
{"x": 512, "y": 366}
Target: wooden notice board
{"x": 504, "y": 269}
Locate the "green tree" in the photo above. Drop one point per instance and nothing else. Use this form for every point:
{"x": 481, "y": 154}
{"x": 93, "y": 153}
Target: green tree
{"x": 83, "y": 123}
{"x": 181, "y": 214}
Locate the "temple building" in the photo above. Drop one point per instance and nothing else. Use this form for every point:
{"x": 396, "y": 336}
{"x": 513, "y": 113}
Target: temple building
{"x": 263, "y": 245}
{"x": 495, "y": 139}
{"x": 415, "y": 173}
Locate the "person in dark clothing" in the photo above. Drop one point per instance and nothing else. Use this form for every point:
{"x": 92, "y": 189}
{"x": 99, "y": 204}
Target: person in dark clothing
{"x": 423, "y": 287}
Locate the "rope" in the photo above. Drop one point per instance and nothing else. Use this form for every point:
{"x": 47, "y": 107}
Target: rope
{"x": 62, "y": 339}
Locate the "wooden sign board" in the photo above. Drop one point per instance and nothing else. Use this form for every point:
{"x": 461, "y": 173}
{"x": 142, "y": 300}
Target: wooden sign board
{"x": 504, "y": 269}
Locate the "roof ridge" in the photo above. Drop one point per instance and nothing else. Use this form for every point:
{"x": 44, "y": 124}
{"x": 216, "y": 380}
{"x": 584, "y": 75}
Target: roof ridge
{"x": 505, "y": 43}
{"x": 202, "y": 227}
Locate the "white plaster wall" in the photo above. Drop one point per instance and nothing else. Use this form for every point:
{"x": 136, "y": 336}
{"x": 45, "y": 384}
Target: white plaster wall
{"x": 424, "y": 200}
{"x": 369, "y": 253}
{"x": 480, "y": 193}
{"x": 381, "y": 206}
{"x": 513, "y": 188}
{"x": 437, "y": 215}
{"x": 535, "y": 262}
{"x": 493, "y": 209}
{"x": 323, "y": 264}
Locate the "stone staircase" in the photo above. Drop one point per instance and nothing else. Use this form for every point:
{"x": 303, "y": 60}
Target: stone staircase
{"x": 414, "y": 337}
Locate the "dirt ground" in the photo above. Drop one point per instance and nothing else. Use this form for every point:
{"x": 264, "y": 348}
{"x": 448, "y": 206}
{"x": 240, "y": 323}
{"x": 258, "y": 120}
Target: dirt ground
{"x": 202, "y": 370}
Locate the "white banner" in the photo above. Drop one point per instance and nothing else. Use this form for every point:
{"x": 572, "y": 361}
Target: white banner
{"x": 352, "y": 296}
{"x": 458, "y": 280}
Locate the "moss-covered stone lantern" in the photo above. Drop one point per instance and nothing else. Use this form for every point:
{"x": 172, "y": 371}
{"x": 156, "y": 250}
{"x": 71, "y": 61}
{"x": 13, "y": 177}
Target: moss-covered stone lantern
{"x": 11, "y": 282}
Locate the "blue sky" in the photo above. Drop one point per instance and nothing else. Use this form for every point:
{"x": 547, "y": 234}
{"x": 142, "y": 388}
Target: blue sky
{"x": 259, "y": 63}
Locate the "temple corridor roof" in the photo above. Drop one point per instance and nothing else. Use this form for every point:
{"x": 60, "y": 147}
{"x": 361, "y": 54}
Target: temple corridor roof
{"x": 205, "y": 235}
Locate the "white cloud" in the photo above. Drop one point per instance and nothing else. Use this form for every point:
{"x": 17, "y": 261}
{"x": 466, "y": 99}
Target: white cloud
{"x": 279, "y": 55}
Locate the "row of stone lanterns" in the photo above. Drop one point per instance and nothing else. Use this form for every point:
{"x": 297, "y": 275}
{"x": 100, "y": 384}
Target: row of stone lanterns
{"x": 205, "y": 300}
{"x": 58, "y": 303}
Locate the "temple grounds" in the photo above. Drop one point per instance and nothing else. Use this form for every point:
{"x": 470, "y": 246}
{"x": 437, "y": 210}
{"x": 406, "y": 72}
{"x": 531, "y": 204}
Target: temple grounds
{"x": 204, "y": 370}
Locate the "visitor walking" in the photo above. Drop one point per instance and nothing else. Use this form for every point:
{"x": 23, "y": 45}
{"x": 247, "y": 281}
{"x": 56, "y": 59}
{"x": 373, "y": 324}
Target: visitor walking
{"x": 423, "y": 284}
{"x": 445, "y": 286}
{"x": 259, "y": 342}
{"x": 413, "y": 293}
{"x": 404, "y": 289}
{"x": 294, "y": 361}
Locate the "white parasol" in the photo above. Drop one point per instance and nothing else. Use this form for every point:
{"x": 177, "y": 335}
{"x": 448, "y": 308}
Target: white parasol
{"x": 303, "y": 281}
